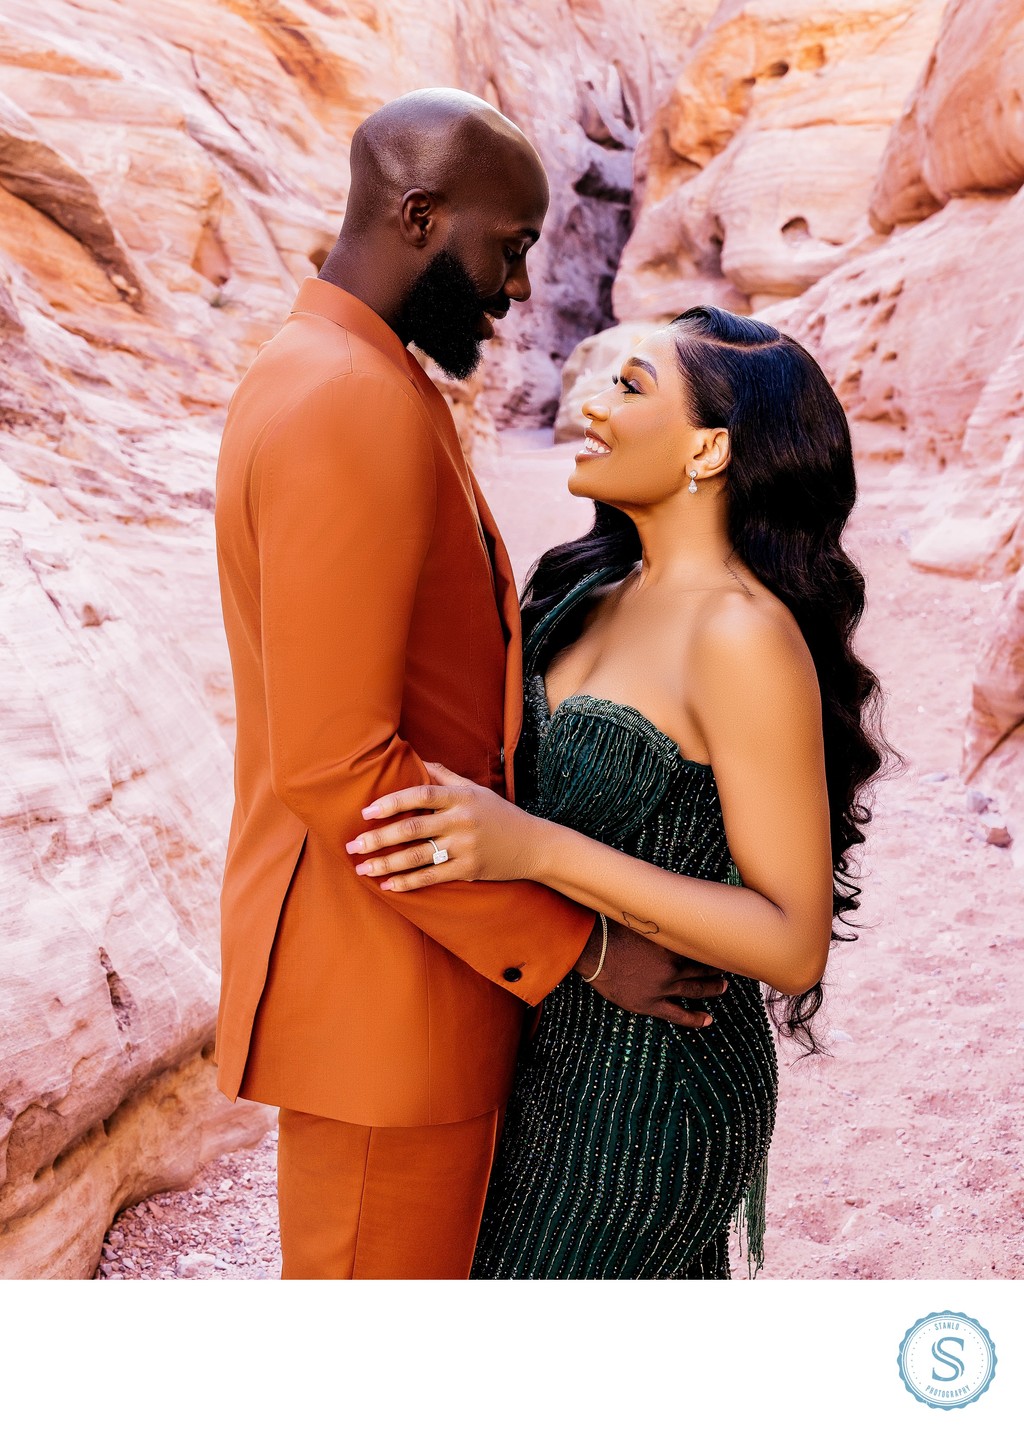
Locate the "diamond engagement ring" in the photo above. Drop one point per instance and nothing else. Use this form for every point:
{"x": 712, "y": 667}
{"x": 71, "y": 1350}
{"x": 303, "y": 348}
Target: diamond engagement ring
{"x": 440, "y": 854}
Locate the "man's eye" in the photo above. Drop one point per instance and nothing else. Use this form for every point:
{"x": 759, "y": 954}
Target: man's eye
{"x": 512, "y": 255}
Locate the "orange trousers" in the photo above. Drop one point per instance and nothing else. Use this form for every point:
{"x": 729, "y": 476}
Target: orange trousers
{"x": 358, "y": 1202}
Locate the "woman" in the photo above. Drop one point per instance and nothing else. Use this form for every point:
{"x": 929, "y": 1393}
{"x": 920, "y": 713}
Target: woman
{"x": 697, "y": 738}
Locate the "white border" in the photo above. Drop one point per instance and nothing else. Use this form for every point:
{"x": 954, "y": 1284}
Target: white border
{"x": 239, "y": 1358}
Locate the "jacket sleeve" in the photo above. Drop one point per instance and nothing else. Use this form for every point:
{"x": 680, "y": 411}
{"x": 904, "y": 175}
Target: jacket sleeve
{"x": 344, "y": 499}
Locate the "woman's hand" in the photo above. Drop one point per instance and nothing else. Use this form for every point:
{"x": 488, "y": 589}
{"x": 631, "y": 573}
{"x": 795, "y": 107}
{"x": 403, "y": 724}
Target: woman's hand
{"x": 484, "y": 836}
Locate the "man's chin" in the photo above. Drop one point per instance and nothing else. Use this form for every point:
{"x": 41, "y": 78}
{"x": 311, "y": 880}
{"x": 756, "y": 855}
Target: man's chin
{"x": 454, "y": 366}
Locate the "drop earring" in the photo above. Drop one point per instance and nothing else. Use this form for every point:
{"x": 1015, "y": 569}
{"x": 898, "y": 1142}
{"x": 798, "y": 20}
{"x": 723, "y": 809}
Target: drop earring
{"x": 692, "y": 486}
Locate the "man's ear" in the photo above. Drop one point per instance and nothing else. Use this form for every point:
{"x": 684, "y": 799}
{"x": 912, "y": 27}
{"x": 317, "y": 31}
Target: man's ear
{"x": 714, "y": 451}
{"x": 417, "y": 216}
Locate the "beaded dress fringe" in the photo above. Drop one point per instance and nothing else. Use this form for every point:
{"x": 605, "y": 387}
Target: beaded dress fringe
{"x": 750, "y": 1215}
{"x": 751, "y": 1210}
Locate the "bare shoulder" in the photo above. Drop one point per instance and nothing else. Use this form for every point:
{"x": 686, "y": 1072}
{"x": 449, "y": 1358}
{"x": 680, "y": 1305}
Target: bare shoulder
{"x": 748, "y": 642}
{"x": 756, "y": 701}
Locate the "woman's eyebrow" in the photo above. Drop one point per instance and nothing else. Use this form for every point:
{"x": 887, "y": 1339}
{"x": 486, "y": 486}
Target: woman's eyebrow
{"x": 642, "y": 364}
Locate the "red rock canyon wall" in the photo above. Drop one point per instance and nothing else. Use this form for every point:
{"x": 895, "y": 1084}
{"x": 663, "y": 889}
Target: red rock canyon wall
{"x": 168, "y": 174}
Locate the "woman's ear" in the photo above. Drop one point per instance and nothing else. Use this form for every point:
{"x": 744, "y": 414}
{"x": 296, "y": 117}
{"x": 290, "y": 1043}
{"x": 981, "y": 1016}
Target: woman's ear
{"x": 714, "y": 453}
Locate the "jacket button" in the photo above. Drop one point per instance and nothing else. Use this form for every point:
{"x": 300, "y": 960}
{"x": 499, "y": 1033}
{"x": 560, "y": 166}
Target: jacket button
{"x": 503, "y": 755}
{"x": 512, "y": 975}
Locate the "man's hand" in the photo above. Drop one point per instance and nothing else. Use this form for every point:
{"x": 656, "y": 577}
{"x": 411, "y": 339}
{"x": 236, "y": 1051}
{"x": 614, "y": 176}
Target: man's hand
{"x": 641, "y": 977}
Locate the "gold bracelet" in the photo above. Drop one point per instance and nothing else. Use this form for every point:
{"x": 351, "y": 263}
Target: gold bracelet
{"x": 604, "y": 949}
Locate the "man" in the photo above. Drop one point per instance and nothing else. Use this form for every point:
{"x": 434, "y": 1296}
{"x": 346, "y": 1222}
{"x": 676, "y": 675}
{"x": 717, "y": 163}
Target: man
{"x": 372, "y": 622}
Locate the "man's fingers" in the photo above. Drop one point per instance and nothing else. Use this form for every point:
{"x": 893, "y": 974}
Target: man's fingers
{"x": 696, "y": 988}
{"x": 690, "y": 968}
{"x": 682, "y": 1017}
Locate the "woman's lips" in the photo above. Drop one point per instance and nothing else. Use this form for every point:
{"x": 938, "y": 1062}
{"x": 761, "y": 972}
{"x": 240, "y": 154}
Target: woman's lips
{"x": 593, "y": 447}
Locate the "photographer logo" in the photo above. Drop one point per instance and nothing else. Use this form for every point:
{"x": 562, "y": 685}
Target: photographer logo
{"x": 947, "y": 1359}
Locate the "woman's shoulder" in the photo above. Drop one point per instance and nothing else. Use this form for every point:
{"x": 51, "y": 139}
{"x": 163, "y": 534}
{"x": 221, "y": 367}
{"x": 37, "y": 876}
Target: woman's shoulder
{"x": 746, "y": 631}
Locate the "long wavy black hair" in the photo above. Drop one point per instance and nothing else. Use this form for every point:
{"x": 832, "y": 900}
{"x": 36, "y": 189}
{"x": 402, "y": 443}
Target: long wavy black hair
{"x": 790, "y": 487}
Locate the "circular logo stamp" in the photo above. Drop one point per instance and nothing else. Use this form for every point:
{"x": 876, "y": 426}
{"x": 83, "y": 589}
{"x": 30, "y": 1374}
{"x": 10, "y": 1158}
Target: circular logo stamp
{"x": 947, "y": 1359}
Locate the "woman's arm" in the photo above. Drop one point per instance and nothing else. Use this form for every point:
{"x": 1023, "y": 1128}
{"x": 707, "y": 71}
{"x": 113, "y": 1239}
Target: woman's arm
{"x": 760, "y": 716}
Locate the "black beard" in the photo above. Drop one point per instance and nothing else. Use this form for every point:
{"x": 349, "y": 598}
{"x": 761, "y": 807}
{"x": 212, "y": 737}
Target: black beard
{"x": 440, "y": 315}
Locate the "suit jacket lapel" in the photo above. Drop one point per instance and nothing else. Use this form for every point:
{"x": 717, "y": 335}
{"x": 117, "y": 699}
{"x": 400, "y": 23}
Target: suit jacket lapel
{"x": 498, "y": 562}
{"x": 508, "y": 607}
{"x": 449, "y": 437}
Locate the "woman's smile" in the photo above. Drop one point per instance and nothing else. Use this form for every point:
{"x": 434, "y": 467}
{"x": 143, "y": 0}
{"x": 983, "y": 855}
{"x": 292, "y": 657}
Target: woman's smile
{"x": 594, "y": 446}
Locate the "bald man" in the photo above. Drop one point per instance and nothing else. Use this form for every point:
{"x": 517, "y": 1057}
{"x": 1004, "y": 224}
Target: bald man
{"x": 372, "y": 623}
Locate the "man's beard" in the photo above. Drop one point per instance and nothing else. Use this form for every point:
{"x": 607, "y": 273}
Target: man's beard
{"x": 441, "y": 313}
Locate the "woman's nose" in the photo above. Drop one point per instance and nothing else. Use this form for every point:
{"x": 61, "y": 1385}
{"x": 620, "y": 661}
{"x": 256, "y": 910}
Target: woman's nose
{"x": 594, "y": 409}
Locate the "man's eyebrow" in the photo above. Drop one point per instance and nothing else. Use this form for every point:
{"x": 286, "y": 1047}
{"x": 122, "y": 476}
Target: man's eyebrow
{"x": 532, "y": 233}
{"x": 642, "y": 364}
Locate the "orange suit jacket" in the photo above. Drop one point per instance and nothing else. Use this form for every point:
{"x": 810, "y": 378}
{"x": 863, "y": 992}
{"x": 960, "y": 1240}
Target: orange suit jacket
{"x": 372, "y": 621}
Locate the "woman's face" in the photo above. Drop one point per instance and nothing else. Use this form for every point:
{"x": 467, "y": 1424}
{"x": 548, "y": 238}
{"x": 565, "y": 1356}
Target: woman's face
{"x": 639, "y": 440}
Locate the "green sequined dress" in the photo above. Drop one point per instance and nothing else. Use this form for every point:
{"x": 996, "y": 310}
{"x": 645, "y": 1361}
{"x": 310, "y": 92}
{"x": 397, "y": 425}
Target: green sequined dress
{"x": 630, "y": 1146}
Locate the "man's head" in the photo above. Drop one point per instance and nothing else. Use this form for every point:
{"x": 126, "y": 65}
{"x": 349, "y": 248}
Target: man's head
{"x": 447, "y": 196}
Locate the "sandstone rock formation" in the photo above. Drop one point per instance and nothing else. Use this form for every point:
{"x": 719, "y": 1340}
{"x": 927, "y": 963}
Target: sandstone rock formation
{"x": 168, "y": 174}
{"x": 926, "y": 337}
{"x": 754, "y": 178}
{"x": 960, "y": 131}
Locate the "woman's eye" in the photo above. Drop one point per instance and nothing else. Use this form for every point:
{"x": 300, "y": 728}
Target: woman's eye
{"x": 629, "y": 388}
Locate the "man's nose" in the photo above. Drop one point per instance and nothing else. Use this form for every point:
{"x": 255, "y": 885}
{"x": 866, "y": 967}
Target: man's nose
{"x": 518, "y": 286}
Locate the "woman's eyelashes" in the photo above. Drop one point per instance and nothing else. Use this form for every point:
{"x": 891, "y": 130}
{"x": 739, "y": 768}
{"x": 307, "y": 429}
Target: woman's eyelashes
{"x": 629, "y": 388}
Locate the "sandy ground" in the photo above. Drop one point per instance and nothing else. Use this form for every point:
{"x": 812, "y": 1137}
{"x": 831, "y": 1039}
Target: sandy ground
{"x": 898, "y": 1156}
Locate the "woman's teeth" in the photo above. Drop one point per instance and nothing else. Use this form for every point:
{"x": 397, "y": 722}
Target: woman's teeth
{"x": 595, "y": 446}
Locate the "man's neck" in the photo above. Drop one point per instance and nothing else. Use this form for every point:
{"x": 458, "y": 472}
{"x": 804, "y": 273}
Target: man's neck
{"x": 349, "y": 267}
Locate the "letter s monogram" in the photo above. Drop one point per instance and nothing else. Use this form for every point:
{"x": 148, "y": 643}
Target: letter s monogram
{"x": 941, "y": 1355}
